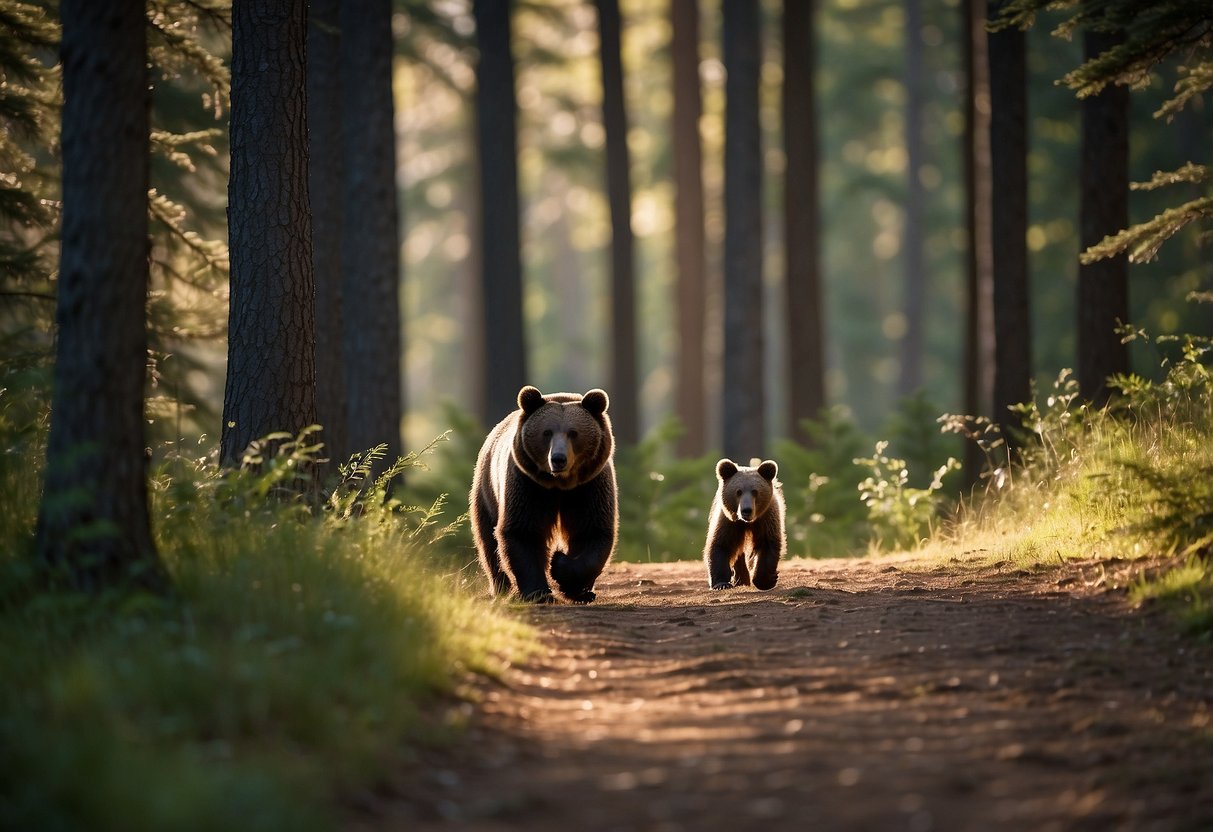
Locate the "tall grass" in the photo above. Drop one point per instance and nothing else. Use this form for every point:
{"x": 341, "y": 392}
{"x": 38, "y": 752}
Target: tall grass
{"x": 1130, "y": 480}
{"x": 298, "y": 656}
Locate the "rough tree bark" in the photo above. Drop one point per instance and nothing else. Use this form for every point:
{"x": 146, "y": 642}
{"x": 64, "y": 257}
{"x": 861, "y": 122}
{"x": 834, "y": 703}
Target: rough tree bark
{"x": 325, "y": 190}
{"x": 806, "y": 336}
{"x": 1103, "y": 286}
{"x": 689, "y": 234}
{"x": 1009, "y": 221}
{"x": 501, "y": 258}
{"x": 93, "y": 528}
{"x": 271, "y": 369}
{"x": 370, "y": 244}
{"x": 744, "y": 400}
{"x": 625, "y": 406}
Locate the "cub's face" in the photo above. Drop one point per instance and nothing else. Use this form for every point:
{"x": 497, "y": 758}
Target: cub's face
{"x": 559, "y": 436}
{"x": 746, "y": 493}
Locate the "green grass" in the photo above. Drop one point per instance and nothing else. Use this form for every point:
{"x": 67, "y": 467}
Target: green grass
{"x": 1186, "y": 591}
{"x": 1133, "y": 481}
{"x": 298, "y": 658}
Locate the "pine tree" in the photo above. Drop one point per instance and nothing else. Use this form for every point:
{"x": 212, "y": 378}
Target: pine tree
{"x": 689, "y": 229}
{"x": 28, "y": 116}
{"x": 94, "y": 532}
{"x": 805, "y": 318}
{"x": 370, "y": 247}
{"x": 1153, "y": 33}
{"x": 1009, "y": 220}
{"x": 501, "y": 257}
{"x": 271, "y": 371}
{"x": 744, "y": 403}
{"x": 625, "y": 394}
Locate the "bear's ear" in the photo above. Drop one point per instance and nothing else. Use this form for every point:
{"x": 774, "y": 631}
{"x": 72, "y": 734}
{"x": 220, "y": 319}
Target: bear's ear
{"x": 768, "y": 470}
{"x": 530, "y": 399}
{"x": 595, "y": 401}
{"x": 725, "y": 469}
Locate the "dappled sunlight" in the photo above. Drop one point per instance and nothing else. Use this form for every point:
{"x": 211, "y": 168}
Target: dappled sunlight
{"x": 889, "y": 690}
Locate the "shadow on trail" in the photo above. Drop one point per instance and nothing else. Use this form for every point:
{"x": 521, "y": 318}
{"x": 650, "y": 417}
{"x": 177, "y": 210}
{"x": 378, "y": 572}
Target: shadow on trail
{"x": 851, "y": 697}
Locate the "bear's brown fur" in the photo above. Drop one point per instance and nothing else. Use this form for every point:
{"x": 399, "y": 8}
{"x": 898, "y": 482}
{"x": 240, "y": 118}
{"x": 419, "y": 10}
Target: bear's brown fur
{"x": 544, "y": 498}
{"x": 747, "y": 518}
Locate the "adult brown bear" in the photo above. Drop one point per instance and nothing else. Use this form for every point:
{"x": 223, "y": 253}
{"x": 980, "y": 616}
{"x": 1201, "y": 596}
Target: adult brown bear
{"x": 544, "y": 498}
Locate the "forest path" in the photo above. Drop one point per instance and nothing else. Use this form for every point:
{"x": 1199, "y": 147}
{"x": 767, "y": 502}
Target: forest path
{"x": 865, "y": 695}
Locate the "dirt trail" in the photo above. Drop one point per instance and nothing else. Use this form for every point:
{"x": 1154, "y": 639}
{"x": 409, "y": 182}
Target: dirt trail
{"x": 865, "y": 695}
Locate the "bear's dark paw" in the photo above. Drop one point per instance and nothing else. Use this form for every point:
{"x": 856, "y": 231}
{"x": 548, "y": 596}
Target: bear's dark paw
{"x": 542, "y": 596}
{"x": 571, "y": 578}
{"x": 765, "y": 582}
{"x": 722, "y": 585}
{"x": 581, "y": 596}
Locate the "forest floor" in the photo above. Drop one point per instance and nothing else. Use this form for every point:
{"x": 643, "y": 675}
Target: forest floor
{"x": 888, "y": 694}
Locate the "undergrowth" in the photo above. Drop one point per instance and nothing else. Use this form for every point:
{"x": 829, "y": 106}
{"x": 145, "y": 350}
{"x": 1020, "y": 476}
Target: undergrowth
{"x": 1129, "y": 480}
{"x": 291, "y": 663}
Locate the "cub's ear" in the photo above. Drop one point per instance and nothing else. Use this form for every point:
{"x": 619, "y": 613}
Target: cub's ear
{"x": 768, "y": 469}
{"x": 530, "y": 399}
{"x": 725, "y": 469}
{"x": 596, "y": 401}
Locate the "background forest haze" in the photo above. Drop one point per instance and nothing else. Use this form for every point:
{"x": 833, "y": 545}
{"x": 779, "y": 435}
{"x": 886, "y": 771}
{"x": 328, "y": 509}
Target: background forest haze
{"x": 888, "y": 242}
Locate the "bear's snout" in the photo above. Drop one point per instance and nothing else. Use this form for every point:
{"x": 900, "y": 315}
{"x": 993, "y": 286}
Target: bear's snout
{"x": 745, "y": 507}
{"x": 558, "y": 454}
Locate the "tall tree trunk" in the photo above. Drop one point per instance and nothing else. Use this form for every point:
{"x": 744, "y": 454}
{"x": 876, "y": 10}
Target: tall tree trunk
{"x": 979, "y": 260}
{"x": 271, "y": 364}
{"x": 689, "y": 235}
{"x": 1103, "y": 286}
{"x": 93, "y": 528}
{"x": 625, "y": 393}
{"x": 325, "y": 188}
{"x": 913, "y": 301}
{"x": 806, "y": 337}
{"x": 743, "y": 395}
{"x": 1009, "y": 181}
{"x": 370, "y": 243}
{"x": 576, "y": 354}
{"x": 501, "y": 258}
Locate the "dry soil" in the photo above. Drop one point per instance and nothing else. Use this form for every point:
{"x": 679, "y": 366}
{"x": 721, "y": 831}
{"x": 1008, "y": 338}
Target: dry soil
{"x": 857, "y": 695}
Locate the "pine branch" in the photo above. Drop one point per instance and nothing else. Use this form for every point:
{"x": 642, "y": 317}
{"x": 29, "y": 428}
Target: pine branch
{"x": 1190, "y": 172}
{"x": 1143, "y": 240}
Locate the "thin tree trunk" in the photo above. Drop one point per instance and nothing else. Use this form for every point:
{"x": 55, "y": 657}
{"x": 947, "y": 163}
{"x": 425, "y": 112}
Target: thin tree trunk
{"x": 370, "y": 244}
{"x": 689, "y": 236}
{"x": 1009, "y": 181}
{"x": 915, "y": 287}
{"x": 325, "y": 188}
{"x": 93, "y": 527}
{"x": 743, "y": 395}
{"x": 979, "y": 265}
{"x": 271, "y": 369}
{"x": 625, "y": 406}
{"x": 806, "y": 336}
{"x": 501, "y": 259}
{"x": 1103, "y": 286}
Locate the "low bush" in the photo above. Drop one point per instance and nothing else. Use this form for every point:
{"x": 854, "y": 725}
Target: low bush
{"x": 292, "y": 661}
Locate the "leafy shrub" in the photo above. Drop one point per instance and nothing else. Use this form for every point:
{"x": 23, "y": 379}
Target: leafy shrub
{"x": 663, "y": 501}
{"x": 825, "y": 516}
{"x": 900, "y": 514}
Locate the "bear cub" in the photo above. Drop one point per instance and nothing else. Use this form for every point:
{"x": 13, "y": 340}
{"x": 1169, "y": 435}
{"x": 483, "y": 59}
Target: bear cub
{"x": 747, "y": 519}
{"x": 543, "y": 497}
